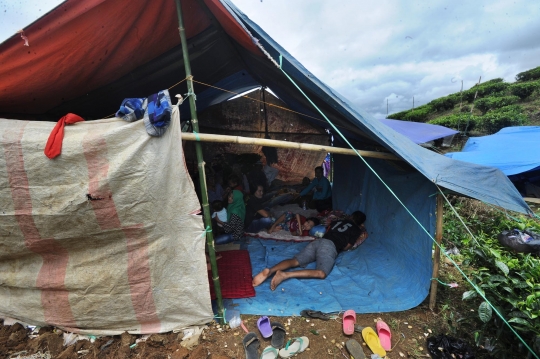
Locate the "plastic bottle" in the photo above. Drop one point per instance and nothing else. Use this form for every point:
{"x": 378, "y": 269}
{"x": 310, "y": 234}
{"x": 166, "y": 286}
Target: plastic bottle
{"x": 304, "y": 205}
{"x": 232, "y": 317}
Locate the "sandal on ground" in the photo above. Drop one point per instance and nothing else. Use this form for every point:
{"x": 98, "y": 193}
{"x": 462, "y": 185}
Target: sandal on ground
{"x": 294, "y": 346}
{"x": 307, "y": 313}
{"x": 251, "y": 346}
{"x": 269, "y": 353}
{"x": 355, "y": 349}
{"x": 278, "y": 336}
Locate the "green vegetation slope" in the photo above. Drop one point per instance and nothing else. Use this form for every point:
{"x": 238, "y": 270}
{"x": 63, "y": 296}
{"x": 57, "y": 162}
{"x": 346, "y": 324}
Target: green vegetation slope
{"x": 485, "y": 108}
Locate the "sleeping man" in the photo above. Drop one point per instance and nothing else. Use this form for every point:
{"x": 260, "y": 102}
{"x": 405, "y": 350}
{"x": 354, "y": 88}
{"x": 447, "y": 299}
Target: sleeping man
{"x": 341, "y": 236}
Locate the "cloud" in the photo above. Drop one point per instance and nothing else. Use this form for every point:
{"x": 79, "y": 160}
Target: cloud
{"x": 394, "y": 50}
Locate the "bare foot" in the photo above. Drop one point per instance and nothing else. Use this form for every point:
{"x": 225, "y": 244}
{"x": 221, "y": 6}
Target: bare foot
{"x": 279, "y": 277}
{"x": 261, "y": 277}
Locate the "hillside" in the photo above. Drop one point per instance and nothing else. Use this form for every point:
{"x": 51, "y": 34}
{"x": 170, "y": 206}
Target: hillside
{"x": 495, "y": 104}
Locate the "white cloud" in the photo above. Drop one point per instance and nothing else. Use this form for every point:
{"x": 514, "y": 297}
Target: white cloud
{"x": 372, "y": 51}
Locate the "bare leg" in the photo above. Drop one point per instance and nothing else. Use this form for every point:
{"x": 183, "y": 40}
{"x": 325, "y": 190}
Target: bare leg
{"x": 281, "y": 266}
{"x": 303, "y": 273}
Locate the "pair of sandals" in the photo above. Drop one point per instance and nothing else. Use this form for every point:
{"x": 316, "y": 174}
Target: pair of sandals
{"x": 294, "y": 346}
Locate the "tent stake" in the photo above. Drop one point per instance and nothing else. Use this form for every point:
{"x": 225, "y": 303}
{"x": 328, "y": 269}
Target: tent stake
{"x": 200, "y": 160}
{"x": 206, "y": 137}
{"x": 437, "y": 255}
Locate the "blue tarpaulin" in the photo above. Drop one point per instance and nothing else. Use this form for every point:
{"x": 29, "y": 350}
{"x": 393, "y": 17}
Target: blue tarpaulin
{"x": 513, "y": 150}
{"x": 377, "y": 276}
{"x": 419, "y": 132}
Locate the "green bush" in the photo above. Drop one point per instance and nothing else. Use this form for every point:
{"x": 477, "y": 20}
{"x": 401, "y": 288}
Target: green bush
{"x": 524, "y": 90}
{"x": 509, "y": 280}
{"x": 399, "y": 115}
{"x": 532, "y": 74}
{"x": 444, "y": 103}
{"x": 465, "y": 108}
{"x": 456, "y": 121}
{"x": 495, "y": 120}
{"x": 485, "y": 89}
{"x": 490, "y": 103}
{"x": 419, "y": 114}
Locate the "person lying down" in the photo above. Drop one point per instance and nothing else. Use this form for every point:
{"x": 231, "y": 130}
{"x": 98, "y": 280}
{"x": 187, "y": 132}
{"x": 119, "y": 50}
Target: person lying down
{"x": 342, "y": 235}
{"x": 296, "y": 224}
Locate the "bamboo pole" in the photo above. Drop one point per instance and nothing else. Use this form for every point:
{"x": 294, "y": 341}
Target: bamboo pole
{"x": 200, "y": 160}
{"x": 205, "y": 137}
{"x": 437, "y": 255}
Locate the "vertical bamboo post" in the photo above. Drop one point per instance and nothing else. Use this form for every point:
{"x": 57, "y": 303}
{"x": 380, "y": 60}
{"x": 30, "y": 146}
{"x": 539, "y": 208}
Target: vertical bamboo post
{"x": 437, "y": 255}
{"x": 200, "y": 160}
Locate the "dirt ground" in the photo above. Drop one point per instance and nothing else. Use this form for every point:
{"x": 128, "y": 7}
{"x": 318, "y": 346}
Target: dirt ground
{"x": 409, "y": 332}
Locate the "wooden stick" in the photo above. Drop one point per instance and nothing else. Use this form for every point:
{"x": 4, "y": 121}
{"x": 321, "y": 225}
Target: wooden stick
{"x": 437, "y": 255}
{"x": 204, "y": 137}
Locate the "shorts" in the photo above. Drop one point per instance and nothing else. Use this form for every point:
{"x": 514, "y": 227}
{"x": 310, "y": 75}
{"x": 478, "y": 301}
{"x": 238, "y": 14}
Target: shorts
{"x": 285, "y": 224}
{"x": 322, "y": 251}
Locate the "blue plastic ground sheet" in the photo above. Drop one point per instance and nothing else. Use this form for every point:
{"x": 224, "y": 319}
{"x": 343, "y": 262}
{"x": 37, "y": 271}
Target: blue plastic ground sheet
{"x": 367, "y": 280}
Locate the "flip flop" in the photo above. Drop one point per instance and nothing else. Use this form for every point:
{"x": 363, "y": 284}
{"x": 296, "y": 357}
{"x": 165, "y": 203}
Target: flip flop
{"x": 269, "y": 353}
{"x": 298, "y": 346}
{"x": 349, "y": 319}
{"x": 307, "y": 313}
{"x": 355, "y": 349}
{"x": 251, "y": 346}
{"x": 385, "y": 335}
{"x": 278, "y": 336}
{"x": 373, "y": 342}
{"x": 358, "y": 328}
{"x": 264, "y": 326}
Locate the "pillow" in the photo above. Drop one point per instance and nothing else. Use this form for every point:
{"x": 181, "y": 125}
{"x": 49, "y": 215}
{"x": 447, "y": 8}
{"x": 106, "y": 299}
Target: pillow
{"x": 317, "y": 231}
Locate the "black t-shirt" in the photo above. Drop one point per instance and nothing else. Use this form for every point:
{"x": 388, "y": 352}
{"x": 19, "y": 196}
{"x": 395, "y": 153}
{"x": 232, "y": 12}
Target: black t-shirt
{"x": 342, "y": 233}
{"x": 253, "y": 205}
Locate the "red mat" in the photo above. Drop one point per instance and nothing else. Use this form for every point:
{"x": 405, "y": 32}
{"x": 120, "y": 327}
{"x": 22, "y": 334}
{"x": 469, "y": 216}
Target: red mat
{"x": 234, "y": 268}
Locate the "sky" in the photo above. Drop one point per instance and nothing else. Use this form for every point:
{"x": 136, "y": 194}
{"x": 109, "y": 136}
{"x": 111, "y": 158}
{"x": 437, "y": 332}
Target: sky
{"x": 385, "y": 51}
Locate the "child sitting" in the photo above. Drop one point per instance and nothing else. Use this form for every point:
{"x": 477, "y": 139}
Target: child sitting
{"x": 220, "y": 212}
{"x": 296, "y": 224}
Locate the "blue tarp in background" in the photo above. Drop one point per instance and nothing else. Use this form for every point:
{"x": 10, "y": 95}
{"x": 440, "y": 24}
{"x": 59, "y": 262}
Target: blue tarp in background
{"x": 390, "y": 271}
{"x": 513, "y": 150}
{"x": 419, "y": 132}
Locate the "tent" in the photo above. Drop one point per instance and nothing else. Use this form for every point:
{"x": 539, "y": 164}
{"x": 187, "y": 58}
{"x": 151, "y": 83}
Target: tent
{"x": 419, "y": 132}
{"x": 86, "y": 56}
{"x": 513, "y": 150}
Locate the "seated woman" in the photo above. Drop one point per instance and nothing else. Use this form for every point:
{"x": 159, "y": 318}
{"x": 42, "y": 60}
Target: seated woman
{"x": 257, "y": 217}
{"x": 296, "y": 224}
{"x": 236, "y": 213}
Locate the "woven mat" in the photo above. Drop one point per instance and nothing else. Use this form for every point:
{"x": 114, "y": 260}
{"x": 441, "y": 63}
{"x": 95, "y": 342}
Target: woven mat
{"x": 234, "y": 268}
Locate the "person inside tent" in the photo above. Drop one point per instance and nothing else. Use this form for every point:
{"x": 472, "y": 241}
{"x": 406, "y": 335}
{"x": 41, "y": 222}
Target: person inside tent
{"x": 341, "y": 236}
{"x": 322, "y": 196}
{"x": 233, "y": 183}
{"x": 257, "y": 217}
{"x": 296, "y": 224}
{"x": 236, "y": 213}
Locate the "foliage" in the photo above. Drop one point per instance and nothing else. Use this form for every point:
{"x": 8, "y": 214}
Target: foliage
{"x": 507, "y": 116}
{"x": 444, "y": 103}
{"x": 524, "y": 90}
{"x": 485, "y": 89}
{"x": 532, "y": 74}
{"x": 419, "y": 114}
{"x": 456, "y": 121}
{"x": 399, "y": 115}
{"x": 490, "y": 103}
{"x": 508, "y": 280}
